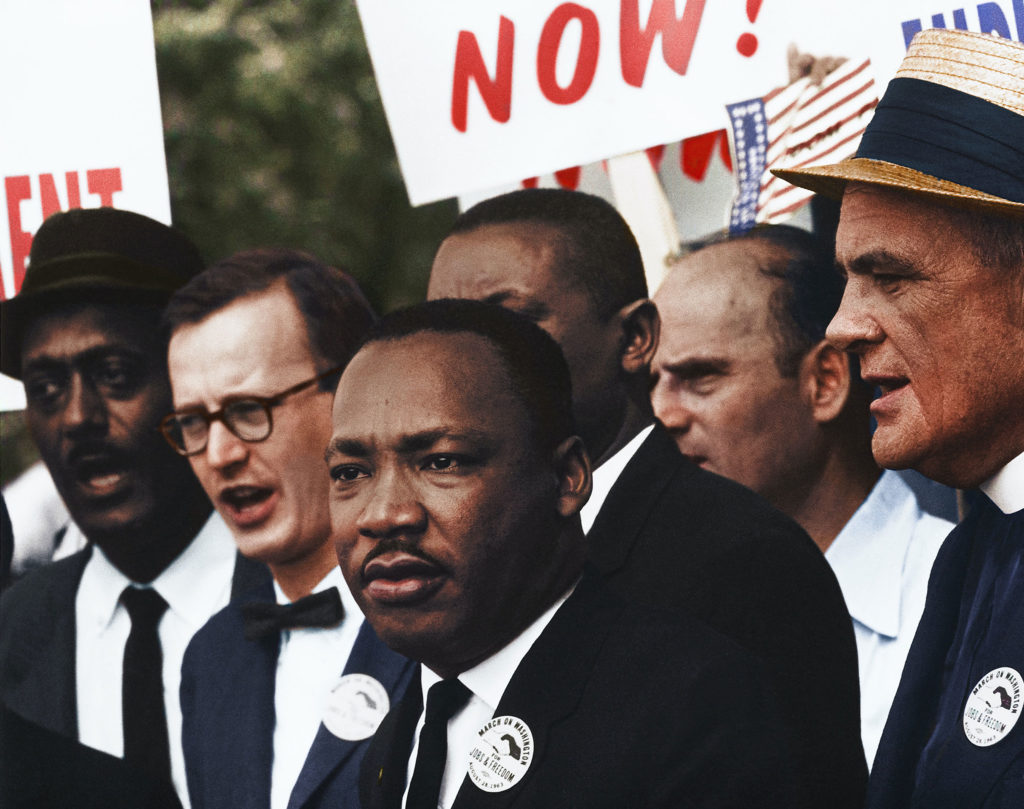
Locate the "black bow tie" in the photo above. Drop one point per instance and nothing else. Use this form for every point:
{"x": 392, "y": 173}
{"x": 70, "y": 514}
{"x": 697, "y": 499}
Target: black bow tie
{"x": 319, "y": 609}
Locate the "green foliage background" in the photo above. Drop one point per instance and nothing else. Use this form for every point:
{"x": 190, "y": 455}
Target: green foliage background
{"x": 276, "y": 136}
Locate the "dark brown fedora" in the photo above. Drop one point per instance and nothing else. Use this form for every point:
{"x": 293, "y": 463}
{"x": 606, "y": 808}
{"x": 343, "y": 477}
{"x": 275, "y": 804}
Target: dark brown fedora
{"x": 95, "y": 254}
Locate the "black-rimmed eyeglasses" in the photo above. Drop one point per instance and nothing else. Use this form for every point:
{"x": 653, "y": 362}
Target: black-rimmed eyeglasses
{"x": 249, "y": 418}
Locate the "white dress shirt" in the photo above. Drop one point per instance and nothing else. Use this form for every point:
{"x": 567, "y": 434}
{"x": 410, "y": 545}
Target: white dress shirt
{"x": 882, "y": 559}
{"x": 606, "y": 474}
{"x": 1006, "y": 487}
{"x": 309, "y": 663}
{"x": 195, "y": 586}
{"x": 487, "y": 681}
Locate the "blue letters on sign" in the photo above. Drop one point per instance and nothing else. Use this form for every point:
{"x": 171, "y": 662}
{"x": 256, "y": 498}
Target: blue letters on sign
{"x": 992, "y": 19}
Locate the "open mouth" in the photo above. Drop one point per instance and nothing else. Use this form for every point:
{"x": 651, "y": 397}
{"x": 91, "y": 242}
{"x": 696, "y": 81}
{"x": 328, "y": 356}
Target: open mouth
{"x": 101, "y": 475}
{"x": 401, "y": 578}
{"x": 247, "y": 505}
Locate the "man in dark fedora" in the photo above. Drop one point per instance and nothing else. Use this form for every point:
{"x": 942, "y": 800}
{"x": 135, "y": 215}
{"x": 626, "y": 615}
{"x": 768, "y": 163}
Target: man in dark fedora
{"x": 91, "y": 647}
{"x": 931, "y": 237}
{"x": 456, "y": 480}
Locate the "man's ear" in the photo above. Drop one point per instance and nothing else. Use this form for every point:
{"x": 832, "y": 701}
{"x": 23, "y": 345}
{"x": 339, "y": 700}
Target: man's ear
{"x": 572, "y": 466}
{"x": 825, "y": 377}
{"x": 640, "y": 329}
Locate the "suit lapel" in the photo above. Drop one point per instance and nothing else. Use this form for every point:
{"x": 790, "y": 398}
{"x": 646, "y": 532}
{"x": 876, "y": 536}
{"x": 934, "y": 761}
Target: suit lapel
{"x": 47, "y": 690}
{"x": 549, "y": 682}
{"x": 328, "y": 752}
{"x": 632, "y": 498}
{"x": 244, "y": 723}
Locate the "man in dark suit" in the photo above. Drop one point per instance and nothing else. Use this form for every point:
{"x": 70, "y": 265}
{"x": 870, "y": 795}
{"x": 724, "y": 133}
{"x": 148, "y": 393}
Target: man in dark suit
{"x": 281, "y": 690}
{"x": 91, "y": 647}
{"x": 931, "y": 237}
{"x": 662, "y": 530}
{"x": 456, "y": 484}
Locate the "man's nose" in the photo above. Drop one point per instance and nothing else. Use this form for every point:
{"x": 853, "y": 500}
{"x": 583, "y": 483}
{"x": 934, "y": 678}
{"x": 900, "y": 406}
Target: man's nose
{"x": 86, "y": 408}
{"x": 670, "y": 405}
{"x": 224, "y": 449}
{"x": 392, "y": 508}
{"x": 853, "y": 328}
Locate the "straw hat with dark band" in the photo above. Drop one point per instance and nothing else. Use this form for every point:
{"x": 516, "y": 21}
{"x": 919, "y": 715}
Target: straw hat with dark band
{"x": 950, "y": 125}
{"x": 90, "y": 254}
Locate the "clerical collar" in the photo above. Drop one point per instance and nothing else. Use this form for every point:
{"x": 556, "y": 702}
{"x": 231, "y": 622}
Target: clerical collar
{"x": 1006, "y": 487}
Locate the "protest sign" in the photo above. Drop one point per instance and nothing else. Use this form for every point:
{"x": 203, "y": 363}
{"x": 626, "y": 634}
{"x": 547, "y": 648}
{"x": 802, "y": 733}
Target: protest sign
{"x": 483, "y": 93}
{"x": 81, "y": 124}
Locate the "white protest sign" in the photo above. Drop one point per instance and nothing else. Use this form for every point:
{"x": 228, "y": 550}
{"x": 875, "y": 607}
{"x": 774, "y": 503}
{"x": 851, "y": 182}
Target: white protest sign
{"x": 81, "y": 123}
{"x": 483, "y": 92}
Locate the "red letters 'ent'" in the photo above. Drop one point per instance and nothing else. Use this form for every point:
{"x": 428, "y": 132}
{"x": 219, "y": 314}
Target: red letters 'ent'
{"x": 469, "y": 64}
{"x": 105, "y": 183}
{"x": 18, "y": 189}
{"x": 586, "y": 60}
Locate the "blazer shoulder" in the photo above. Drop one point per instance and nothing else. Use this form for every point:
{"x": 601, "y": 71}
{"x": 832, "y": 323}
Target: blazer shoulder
{"x": 43, "y": 591}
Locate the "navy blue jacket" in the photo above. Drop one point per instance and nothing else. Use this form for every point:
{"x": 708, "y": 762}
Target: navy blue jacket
{"x": 227, "y": 702}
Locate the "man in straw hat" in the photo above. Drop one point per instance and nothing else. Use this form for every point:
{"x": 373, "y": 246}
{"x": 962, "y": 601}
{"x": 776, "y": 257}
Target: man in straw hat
{"x": 931, "y": 237}
{"x": 91, "y": 646}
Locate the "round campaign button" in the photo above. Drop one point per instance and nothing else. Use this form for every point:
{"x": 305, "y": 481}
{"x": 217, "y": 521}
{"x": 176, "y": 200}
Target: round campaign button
{"x": 356, "y": 707}
{"x": 502, "y": 754}
{"x": 993, "y": 707}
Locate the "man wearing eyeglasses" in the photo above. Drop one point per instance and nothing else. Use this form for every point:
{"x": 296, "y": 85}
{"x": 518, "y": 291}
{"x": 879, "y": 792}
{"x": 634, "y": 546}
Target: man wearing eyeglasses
{"x": 91, "y": 646}
{"x": 274, "y": 716}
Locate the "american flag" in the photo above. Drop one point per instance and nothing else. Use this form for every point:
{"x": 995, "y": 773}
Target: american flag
{"x": 802, "y": 124}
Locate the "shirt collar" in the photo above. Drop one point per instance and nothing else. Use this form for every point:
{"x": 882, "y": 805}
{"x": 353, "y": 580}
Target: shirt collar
{"x": 872, "y": 548}
{"x": 607, "y": 473}
{"x": 193, "y": 585}
{"x": 1006, "y": 487}
{"x": 489, "y": 678}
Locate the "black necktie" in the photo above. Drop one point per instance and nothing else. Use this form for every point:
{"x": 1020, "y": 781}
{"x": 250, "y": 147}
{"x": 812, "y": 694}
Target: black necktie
{"x": 142, "y": 686}
{"x": 319, "y": 609}
{"x": 444, "y": 700}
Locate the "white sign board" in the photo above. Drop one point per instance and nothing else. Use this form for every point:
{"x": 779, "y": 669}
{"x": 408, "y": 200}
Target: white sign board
{"x": 81, "y": 123}
{"x": 482, "y": 93}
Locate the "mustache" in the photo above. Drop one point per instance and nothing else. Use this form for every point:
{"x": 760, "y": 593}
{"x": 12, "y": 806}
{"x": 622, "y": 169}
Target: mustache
{"x": 398, "y": 545}
{"x": 93, "y": 450}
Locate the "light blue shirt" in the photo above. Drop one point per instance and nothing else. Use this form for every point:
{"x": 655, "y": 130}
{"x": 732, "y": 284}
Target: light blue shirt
{"x": 882, "y": 559}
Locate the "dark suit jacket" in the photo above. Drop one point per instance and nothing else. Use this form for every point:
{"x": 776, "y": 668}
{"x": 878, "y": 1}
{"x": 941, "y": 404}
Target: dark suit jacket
{"x": 951, "y": 590}
{"x": 629, "y": 707}
{"x": 37, "y": 639}
{"x": 675, "y": 536}
{"x": 227, "y": 701}
{"x": 40, "y": 769}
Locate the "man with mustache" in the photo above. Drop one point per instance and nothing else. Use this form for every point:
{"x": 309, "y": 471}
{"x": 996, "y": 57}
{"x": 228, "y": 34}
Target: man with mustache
{"x": 662, "y": 530}
{"x": 280, "y": 690}
{"x": 456, "y": 483}
{"x": 91, "y": 647}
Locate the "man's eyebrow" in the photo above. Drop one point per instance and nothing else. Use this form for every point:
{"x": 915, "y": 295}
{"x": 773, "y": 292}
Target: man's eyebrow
{"x": 697, "y": 366}
{"x": 417, "y": 442}
{"x": 414, "y": 442}
{"x": 344, "y": 446}
{"x": 866, "y": 263}
{"x": 87, "y": 357}
{"x": 527, "y": 306}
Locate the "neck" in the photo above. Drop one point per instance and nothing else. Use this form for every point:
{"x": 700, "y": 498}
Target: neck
{"x": 298, "y": 577}
{"x": 143, "y": 552}
{"x": 830, "y": 498}
{"x": 637, "y": 416}
{"x": 547, "y": 593}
